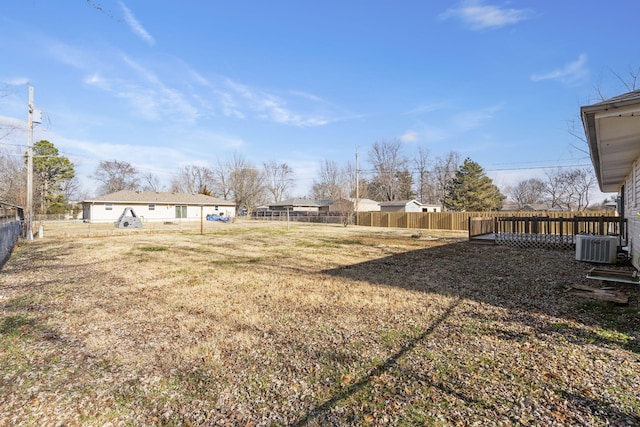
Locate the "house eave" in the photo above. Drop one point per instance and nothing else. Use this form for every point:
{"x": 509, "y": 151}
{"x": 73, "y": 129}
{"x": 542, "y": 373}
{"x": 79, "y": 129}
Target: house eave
{"x": 612, "y": 129}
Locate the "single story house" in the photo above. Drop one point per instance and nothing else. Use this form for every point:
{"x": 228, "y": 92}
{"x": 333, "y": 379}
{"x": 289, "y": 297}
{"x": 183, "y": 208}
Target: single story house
{"x": 155, "y": 206}
{"x": 538, "y": 207}
{"x": 431, "y": 208}
{"x": 297, "y": 205}
{"x": 612, "y": 128}
{"x": 349, "y": 205}
{"x": 401, "y": 206}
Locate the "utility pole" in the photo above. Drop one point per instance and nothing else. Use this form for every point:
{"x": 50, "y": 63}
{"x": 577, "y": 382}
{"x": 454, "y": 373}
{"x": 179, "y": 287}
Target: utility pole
{"x": 29, "y": 216}
{"x": 357, "y": 186}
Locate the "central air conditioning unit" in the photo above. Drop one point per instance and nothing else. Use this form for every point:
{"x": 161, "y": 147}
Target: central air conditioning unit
{"x": 602, "y": 249}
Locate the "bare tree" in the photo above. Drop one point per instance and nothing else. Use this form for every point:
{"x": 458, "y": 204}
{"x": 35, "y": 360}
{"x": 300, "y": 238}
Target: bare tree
{"x": 527, "y": 192}
{"x": 13, "y": 178}
{"x": 222, "y": 180}
{"x": 424, "y": 180}
{"x": 71, "y": 189}
{"x": 555, "y": 188}
{"x": 629, "y": 82}
{"x": 443, "y": 172}
{"x": 278, "y": 179}
{"x": 246, "y": 183}
{"x": 580, "y": 183}
{"x": 151, "y": 182}
{"x": 193, "y": 179}
{"x": 330, "y": 182}
{"x": 569, "y": 189}
{"x": 349, "y": 177}
{"x": 388, "y": 161}
{"x": 115, "y": 175}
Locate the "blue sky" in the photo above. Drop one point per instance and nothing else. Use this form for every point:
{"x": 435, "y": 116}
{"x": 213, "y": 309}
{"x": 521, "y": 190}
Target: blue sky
{"x": 168, "y": 83}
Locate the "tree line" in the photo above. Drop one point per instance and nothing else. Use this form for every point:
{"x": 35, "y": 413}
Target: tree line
{"x": 388, "y": 175}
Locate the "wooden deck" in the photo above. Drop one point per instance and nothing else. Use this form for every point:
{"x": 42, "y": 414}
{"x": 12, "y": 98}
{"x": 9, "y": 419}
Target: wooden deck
{"x": 546, "y": 232}
{"x": 485, "y": 239}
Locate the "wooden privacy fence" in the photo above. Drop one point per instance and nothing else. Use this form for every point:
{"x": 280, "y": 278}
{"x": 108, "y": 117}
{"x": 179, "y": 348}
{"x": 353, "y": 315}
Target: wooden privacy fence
{"x": 455, "y": 221}
{"x": 479, "y": 226}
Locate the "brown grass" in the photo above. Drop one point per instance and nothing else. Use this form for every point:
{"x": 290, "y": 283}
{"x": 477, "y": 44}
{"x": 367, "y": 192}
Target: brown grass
{"x": 264, "y": 324}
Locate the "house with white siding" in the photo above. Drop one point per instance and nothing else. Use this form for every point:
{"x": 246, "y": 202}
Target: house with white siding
{"x": 297, "y": 204}
{"x": 155, "y": 206}
{"x": 353, "y": 205}
{"x": 431, "y": 208}
{"x": 612, "y": 128}
{"x": 401, "y": 206}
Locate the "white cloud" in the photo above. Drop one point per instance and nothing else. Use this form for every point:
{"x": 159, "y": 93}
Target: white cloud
{"x": 480, "y": 17}
{"x": 17, "y": 81}
{"x": 270, "y": 107}
{"x": 308, "y": 96}
{"x": 469, "y": 120}
{"x": 426, "y": 108}
{"x": 135, "y": 26}
{"x": 163, "y": 161}
{"x": 158, "y": 100}
{"x": 198, "y": 77}
{"x": 409, "y": 136}
{"x": 428, "y": 134}
{"x": 97, "y": 80}
{"x": 229, "y": 107}
{"x": 572, "y": 73}
{"x": 8, "y": 127}
{"x": 275, "y": 110}
{"x": 68, "y": 55}
{"x": 148, "y": 75}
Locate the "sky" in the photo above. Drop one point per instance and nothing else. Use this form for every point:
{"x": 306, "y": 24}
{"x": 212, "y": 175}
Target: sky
{"x": 165, "y": 84}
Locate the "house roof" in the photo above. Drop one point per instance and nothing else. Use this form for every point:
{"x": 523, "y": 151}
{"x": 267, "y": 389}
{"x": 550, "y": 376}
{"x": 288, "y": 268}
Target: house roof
{"x": 400, "y": 203}
{"x": 298, "y": 201}
{"x": 143, "y": 197}
{"x": 369, "y": 201}
{"x": 10, "y": 205}
{"x": 612, "y": 128}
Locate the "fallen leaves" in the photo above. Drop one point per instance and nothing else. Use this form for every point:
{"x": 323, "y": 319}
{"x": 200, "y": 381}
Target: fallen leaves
{"x": 313, "y": 325}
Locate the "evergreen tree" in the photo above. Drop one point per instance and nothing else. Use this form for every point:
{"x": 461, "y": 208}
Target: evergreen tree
{"x": 405, "y": 185}
{"x": 50, "y": 171}
{"x": 471, "y": 190}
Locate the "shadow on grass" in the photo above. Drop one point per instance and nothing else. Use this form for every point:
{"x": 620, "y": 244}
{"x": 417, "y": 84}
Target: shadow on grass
{"x": 378, "y": 370}
{"x": 526, "y": 282}
{"x": 16, "y": 325}
{"x": 523, "y": 281}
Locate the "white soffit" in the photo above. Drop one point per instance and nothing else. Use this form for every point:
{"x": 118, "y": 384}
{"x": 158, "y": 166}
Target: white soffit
{"x": 618, "y": 135}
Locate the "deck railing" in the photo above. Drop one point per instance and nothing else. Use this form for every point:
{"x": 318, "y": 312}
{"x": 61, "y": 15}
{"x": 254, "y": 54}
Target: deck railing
{"x": 558, "y": 230}
{"x": 599, "y": 225}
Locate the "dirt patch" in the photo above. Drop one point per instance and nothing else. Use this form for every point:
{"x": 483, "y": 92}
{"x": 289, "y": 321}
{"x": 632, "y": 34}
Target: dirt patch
{"x": 275, "y": 324}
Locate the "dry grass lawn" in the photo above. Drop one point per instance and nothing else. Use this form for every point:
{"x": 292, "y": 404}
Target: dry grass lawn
{"x": 261, "y": 324}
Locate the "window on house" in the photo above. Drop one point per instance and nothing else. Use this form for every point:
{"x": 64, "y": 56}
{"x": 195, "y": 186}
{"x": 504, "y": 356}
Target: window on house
{"x": 181, "y": 211}
{"x": 108, "y": 206}
{"x": 152, "y": 207}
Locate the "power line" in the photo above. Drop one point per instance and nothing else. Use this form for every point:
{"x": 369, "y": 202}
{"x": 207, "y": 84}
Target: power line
{"x": 539, "y": 167}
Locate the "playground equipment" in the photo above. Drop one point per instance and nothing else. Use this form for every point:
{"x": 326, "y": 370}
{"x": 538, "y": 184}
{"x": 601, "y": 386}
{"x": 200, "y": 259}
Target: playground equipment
{"x": 128, "y": 221}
